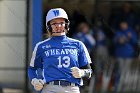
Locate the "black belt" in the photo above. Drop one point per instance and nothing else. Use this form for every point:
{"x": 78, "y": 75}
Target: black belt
{"x": 62, "y": 83}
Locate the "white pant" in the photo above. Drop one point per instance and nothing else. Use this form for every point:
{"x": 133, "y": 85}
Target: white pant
{"x": 60, "y": 89}
{"x": 124, "y": 65}
{"x": 124, "y": 69}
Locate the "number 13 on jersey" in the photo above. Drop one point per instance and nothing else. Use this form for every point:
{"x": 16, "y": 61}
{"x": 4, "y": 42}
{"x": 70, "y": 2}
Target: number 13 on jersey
{"x": 66, "y": 60}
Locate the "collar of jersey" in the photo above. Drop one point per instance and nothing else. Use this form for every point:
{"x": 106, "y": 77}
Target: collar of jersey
{"x": 59, "y": 37}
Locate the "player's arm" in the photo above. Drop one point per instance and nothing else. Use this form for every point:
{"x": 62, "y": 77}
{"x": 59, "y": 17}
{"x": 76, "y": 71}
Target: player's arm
{"x": 134, "y": 38}
{"x": 81, "y": 72}
{"x": 84, "y": 60}
{"x": 35, "y": 63}
{"x": 116, "y": 38}
{"x": 87, "y": 70}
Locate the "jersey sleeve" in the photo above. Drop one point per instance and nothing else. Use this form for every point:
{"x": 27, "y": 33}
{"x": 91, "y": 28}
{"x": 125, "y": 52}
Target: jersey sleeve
{"x": 84, "y": 58}
{"x": 36, "y": 62}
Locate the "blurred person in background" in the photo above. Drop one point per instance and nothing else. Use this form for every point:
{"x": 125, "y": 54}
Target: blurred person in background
{"x": 76, "y": 18}
{"x": 85, "y": 34}
{"x": 102, "y": 55}
{"x": 126, "y": 13}
{"x": 125, "y": 41}
{"x": 64, "y": 61}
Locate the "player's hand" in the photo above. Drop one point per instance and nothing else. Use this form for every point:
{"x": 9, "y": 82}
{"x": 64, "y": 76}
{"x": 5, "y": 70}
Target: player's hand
{"x": 77, "y": 73}
{"x": 129, "y": 35}
{"x": 122, "y": 40}
{"x": 37, "y": 83}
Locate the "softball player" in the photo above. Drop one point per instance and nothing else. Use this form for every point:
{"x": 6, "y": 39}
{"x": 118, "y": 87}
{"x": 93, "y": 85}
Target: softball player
{"x": 64, "y": 60}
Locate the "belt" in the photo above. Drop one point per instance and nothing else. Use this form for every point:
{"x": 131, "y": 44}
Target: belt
{"x": 62, "y": 83}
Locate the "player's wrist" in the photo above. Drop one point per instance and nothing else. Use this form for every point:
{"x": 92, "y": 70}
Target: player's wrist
{"x": 33, "y": 81}
{"x": 86, "y": 73}
{"x": 82, "y": 73}
{"x": 37, "y": 83}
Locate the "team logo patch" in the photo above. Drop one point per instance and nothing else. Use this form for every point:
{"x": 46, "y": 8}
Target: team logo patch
{"x": 56, "y": 12}
{"x": 46, "y": 46}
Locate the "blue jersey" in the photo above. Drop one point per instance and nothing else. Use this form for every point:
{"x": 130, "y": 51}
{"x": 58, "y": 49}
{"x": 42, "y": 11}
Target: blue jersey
{"x": 126, "y": 50}
{"x": 56, "y": 56}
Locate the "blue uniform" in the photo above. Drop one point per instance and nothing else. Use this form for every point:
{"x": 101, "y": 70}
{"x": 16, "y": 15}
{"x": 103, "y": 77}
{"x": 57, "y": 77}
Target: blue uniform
{"x": 126, "y": 50}
{"x": 56, "y": 56}
{"x": 87, "y": 39}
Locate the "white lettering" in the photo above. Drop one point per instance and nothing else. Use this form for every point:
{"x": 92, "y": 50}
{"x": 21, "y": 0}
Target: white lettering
{"x": 52, "y": 51}
{"x": 57, "y": 51}
{"x": 60, "y": 52}
{"x": 47, "y": 53}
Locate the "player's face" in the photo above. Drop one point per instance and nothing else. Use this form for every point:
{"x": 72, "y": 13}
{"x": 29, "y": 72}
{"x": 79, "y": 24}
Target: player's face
{"x": 58, "y": 25}
{"x": 124, "y": 26}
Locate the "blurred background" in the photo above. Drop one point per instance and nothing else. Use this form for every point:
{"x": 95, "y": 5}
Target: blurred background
{"x": 110, "y": 29}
